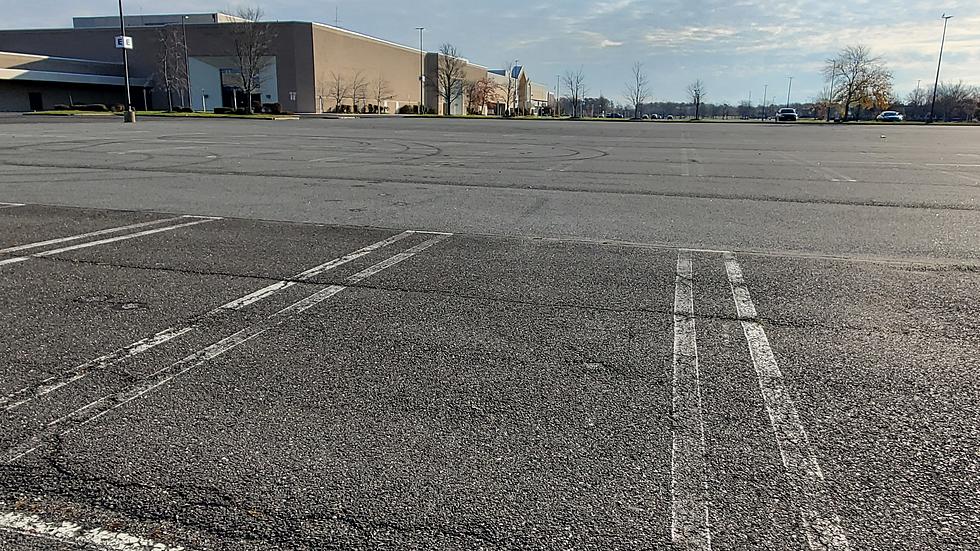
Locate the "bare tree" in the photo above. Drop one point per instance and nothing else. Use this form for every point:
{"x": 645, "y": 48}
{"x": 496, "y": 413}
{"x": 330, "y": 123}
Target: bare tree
{"x": 915, "y": 103}
{"x": 358, "y": 90}
{"x": 574, "y": 82}
{"x": 956, "y": 100}
{"x": 696, "y": 91}
{"x": 509, "y": 89}
{"x": 452, "y": 71}
{"x": 170, "y": 61}
{"x": 336, "y": 88}
{"x": 859, "y": 78}
{"x": 382, "y": 92}
{"x": 253, "y": 43}
{"x": 637, "y": 89}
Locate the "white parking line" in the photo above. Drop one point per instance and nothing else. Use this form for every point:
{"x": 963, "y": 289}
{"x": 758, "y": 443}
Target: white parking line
{"x": 689, "y": 522}
{"x": 967, "y": 177}
{"x": 828, "y": 173}
{"x": 10, "y": 205}
{"x": 200, "y": 220}
{"x": 822, "y": 526}
{"x": 155, "y": 149}
{"x": 55, "y": 382}
{"x": 58, "y": 240}
{"x": 93, "y": 411}
{"x": 78, "y": 536}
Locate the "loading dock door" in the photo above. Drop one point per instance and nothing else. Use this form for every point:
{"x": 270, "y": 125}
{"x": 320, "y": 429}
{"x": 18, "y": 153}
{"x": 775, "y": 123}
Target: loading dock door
{"x": 37, "y": 104}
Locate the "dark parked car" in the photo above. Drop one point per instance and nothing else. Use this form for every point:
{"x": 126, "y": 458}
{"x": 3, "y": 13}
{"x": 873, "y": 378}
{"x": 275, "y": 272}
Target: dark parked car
{"x": 787, "y": 114}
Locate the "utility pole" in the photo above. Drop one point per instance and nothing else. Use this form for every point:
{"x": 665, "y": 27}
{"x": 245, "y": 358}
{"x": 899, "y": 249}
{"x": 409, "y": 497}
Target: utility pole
{"x": 935, "y": 88}
{"x": 125, "y": 45}
{"x": 790, "y": 91}
{"x": 187, "y": 63}
{"x": 421, "y": 71}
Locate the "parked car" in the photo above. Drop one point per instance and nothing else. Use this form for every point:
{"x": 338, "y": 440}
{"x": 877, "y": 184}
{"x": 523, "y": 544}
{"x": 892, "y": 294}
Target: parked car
{"x": 646, "y": 117}
{"x": 656, "y": 116}
{"x": 787, "y": 114}
{"x": 890, "y": 116}
{"x": 670, "y": 117}
{"x": 614, "y": 116}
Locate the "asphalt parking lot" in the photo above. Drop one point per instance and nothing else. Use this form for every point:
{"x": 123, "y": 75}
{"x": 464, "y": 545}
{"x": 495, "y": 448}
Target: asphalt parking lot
{"x": 431, "y": 334}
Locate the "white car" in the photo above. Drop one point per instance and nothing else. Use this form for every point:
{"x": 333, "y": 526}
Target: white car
{"x": 787, "y": 114}
{"x": 890, "y": 116}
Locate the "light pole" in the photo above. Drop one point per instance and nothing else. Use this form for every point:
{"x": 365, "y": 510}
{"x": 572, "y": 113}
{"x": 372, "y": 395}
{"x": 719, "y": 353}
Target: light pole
{"x": 421, "y": 71}
{"x": 765, "y": 106}
{"x": 187, "y": 63}
{"x": 558, "y": 96}
{"x": 833, "y": 81}
{"x": 125, "y": 51}
{"x": 517, "y": 82}
{"x": 935, "y": 88}
{"x": 789, "y": 91}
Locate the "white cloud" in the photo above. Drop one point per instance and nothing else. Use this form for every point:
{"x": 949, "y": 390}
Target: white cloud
{"x": 597, "y": 40}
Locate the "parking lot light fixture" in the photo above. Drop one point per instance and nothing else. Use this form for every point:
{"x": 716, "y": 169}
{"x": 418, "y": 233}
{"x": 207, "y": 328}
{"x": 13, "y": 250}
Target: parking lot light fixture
{"x": 125, "y": 53}
{"x": 935, "y": 88}
{"x": 765, "y": 106}
{"x": 187, "y": 63}
{"x": 421, "y": 71}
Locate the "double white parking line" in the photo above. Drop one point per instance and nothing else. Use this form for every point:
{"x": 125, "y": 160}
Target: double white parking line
{"x": 193, "y": 221}
{"x": 76, "y": 373}
{"x": 690, "y": 515}
{"x": 689, "y": 524}
{"x": 102, "y": 406}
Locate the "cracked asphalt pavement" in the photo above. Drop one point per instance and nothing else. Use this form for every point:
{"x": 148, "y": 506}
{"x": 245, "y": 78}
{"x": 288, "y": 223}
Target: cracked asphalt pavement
{"x": 457, "y": 334}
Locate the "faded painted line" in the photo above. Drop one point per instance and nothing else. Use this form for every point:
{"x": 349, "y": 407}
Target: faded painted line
{"x": 686, "y": 162}
{"x": 93, "y": 411}
{"x": 821, "y": 525}
{"x": 689, "y": 521}
{"x": 200, "y": 220}
{"x": 10, "y": 206}
{"x": 55, "y": 382}
{"x": 155, "y": 149}
{"x": 973, "y": 179}
{"x": 39, "y": 244}
{"x": 828, "y": 173}
{"x": 76, "y": 535}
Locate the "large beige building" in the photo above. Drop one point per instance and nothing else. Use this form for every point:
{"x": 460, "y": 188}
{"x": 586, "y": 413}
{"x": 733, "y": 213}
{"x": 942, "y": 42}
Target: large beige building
{"x": 309, "y": 68}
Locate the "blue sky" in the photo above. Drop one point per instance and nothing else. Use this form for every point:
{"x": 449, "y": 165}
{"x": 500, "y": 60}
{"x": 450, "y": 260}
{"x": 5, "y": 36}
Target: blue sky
{"x": 735, "y": 46}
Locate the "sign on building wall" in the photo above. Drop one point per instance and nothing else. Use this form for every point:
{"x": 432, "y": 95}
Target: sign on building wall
{"x": 124, "y": 43}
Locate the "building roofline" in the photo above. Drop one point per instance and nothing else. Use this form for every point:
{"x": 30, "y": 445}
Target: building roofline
{"x": 76, "y": 78}
{"x": 366, "y": 36}
{"x": 58, "y": 58}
